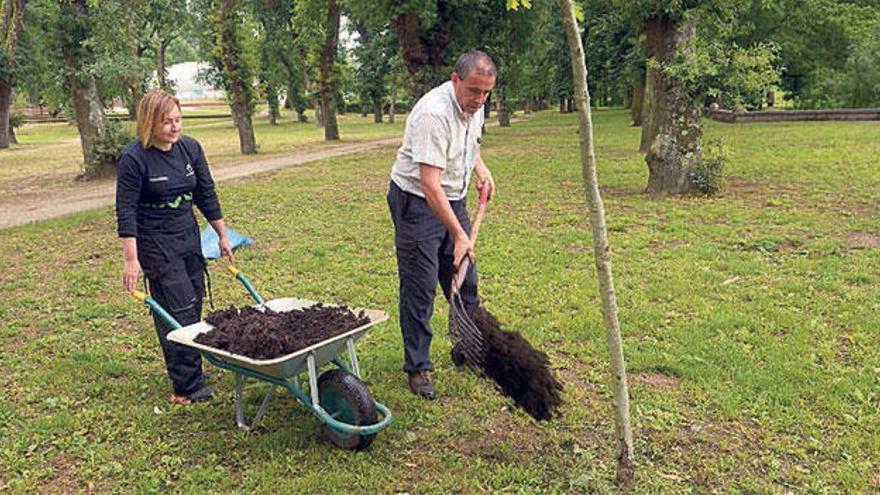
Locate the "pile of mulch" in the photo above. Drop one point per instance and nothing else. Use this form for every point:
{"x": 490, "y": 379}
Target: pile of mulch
{"x": 270, "y": 334}
{"x": 520, "y": 371}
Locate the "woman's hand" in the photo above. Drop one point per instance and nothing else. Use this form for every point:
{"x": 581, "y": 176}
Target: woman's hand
{"x": 225, "y": 249}
{"x": 131, "y": 269}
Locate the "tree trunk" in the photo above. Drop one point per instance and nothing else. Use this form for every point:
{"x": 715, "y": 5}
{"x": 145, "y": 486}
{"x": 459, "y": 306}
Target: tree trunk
{"x": 161, "y": 71}
{"x": 87, "y": 107}
{"x": 10, "y": 28}
{"x": 328, "y": 79}
{"x": 638, "y": 99}
{"x": 527, "y": 106}
{"x": 503, "y": 111}
{"x": 673, "y": 128}
{"x": 601, "y": 251}
{"x": 319, "y": 113}
{"x": 392, "y": 106}
{"x": 133, "y": 97}
{"x": 569, "y": 105}
{"x": 5, "y": 107}
{"x": 12, "y": 138}
{"x": 90, "y": 121}
{"x": 561, "y": 105}
{"x": 241, "y": 118}
{"x": 423, "y": 56}
{"x": 377, "y": 111}
{"x": 238, "y": 89}
{"x": 274, "y": 105}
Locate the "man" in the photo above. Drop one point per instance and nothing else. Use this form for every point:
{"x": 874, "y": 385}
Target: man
{"x": 429, "y": 182}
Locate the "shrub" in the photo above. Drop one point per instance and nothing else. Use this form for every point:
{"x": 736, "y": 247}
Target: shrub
{"x": 16, "y": 120}
{"x": 108, "y": 147}
{"x": 706, "y": 171}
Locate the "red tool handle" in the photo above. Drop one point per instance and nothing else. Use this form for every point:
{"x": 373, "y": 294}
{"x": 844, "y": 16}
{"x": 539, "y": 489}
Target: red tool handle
{"x": 464, "y": 264}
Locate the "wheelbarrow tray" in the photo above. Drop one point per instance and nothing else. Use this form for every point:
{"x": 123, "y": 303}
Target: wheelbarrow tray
{"x": 284, "y": 366}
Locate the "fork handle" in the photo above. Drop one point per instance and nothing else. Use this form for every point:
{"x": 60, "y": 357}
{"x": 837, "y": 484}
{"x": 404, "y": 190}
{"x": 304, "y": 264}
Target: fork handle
{"x": 465, "y": 262}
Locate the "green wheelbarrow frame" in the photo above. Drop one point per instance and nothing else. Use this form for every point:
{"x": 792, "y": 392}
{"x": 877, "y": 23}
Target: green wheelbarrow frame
{"x": 284, "y": 371}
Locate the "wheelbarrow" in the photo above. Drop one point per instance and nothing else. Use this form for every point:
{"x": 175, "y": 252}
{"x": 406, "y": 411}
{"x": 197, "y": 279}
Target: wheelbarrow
{"x": 337, "y": 397}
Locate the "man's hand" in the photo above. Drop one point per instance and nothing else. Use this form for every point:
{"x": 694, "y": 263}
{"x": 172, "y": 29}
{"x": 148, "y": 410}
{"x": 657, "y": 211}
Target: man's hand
{"x": 484, "y": 178}
{"x": 462, "y": 246}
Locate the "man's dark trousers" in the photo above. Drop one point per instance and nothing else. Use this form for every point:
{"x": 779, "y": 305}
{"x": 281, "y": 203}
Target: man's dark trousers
{"x": 424, "y": 257}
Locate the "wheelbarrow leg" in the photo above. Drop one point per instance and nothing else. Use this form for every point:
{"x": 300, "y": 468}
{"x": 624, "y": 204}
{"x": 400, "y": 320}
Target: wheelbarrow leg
{"x": 239, "y": 404}
{"x": 352, "y": 355}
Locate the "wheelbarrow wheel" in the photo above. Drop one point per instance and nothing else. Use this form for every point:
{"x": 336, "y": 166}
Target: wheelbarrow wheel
{"x": 345, "y": 397}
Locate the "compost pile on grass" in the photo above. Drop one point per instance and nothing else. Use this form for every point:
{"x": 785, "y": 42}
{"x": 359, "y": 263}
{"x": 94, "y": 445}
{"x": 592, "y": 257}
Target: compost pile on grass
{"x": 520, "y": 371}
{"x": 270, "y": 334}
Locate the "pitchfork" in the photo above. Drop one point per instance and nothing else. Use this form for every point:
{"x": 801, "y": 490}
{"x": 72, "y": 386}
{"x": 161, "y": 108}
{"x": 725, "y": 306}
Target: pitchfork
{"x": 466, "y": 338}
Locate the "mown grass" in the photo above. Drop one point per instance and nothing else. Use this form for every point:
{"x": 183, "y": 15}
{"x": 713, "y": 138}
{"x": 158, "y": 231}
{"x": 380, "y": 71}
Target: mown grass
{"x": 750, "y": 326}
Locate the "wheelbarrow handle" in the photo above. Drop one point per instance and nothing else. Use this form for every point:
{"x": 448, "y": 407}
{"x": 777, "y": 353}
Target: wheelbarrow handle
{"x": 157, "y": 308}
{"x": 247, "y": 284}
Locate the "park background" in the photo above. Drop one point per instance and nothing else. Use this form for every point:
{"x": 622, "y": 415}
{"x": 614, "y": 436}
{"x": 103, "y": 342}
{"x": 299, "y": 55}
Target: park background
{"x": 747, "y": 299}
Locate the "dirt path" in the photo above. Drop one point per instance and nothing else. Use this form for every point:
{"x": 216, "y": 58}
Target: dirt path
{"x": 38, "y": 207}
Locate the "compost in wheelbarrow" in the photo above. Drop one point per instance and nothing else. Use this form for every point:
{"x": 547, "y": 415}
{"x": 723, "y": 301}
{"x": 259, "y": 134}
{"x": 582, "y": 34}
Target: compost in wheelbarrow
{"x": 267, "y": 334}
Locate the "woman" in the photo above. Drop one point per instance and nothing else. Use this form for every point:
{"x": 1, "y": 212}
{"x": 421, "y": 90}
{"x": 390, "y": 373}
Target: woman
{"x": 159, "y": 178}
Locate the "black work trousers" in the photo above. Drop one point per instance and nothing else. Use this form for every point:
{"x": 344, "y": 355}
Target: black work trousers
{"x": 424, "y": 257}
{"x": 176, "y": 274}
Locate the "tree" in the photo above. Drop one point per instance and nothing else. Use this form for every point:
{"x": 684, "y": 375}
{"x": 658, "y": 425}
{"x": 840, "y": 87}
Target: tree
{"x": 422, "y": 46}
{"x": 168, "y": 20}
{"x": 328, "y": 75}
{"x": 232, "y": 59}
{"x": 374, "y": 53}
{"x": 601, "y": 250}
{"x": 74, "y": 32}
{"x": 123, "y": 47}
{"x": 11, "y": 25}
{"x": 276, "y": 50}
{"x": 506, "y": 33}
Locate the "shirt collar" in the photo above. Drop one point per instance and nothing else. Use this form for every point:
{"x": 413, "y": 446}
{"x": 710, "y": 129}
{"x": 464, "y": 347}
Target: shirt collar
{"x": 450, "y": 91}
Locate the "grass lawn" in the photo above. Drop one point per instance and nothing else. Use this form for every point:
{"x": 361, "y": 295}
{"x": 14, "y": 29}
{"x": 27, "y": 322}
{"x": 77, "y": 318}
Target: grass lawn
{"x": 750, "y": 327}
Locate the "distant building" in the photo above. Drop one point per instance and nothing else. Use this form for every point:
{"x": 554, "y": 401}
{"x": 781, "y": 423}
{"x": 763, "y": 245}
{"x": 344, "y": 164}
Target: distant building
{"x": 188, "y": 86}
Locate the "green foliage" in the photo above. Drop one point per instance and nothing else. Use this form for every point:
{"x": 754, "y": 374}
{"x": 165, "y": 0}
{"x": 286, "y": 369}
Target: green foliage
{"x": 182, "y": 50}
{"x": 856, "y": 84}
{"x": 719, "y": 70}
{"x": 109, "y": 145}
{"x": 612, "y": 49}
{"x": 706, "y": 169}
{"x": 16, "y": 120}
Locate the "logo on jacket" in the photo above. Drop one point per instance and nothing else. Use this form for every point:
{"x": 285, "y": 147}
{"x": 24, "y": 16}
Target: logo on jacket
{"x": 189, "y": 170}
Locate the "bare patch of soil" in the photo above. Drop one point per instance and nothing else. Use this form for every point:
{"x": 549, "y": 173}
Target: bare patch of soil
{"x": 654, "y": 380}
{"x": 861, "y": 240}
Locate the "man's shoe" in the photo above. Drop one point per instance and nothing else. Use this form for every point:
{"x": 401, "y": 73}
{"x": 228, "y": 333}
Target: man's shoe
{"x": 421, "y": 385}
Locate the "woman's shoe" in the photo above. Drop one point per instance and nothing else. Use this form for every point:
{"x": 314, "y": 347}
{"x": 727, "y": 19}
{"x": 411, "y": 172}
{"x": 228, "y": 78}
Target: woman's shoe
{"x": 203, "y": 394}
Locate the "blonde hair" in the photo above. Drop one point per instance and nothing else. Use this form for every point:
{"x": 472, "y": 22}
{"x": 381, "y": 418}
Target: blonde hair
{"x": 152, "y": 109}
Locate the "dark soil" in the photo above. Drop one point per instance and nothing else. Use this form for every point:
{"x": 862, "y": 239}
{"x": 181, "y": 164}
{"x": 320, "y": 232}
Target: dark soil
{"x": 269, "y": 334}
{"x": 521, "y": 371}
